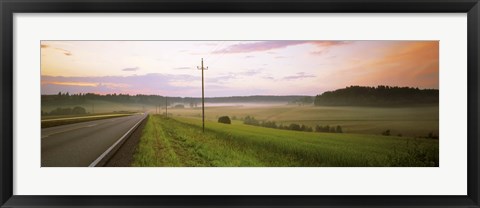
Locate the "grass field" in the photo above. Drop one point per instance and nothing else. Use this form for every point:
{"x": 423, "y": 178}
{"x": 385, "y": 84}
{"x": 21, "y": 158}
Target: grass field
{"x": 409, "y": 121}
{"x": 179, "y": 141}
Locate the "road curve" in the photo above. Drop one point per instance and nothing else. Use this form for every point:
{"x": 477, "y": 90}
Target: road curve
{"x": 80, "y": 144}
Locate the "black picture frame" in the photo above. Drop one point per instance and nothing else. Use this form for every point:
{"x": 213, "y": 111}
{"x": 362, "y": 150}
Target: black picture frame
{"x": 9, "y": 7}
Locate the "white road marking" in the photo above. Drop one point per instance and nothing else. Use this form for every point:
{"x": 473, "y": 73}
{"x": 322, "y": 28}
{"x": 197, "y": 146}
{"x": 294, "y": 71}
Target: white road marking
{"x": 95, "y": 162}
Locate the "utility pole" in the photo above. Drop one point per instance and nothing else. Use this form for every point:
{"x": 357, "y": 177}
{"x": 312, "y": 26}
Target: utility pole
{"x": 203, "y": 96}
{"x": 93, "y": 108}
{"x": 166, "y": 104}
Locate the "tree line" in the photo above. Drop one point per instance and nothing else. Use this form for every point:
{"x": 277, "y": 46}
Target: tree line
{"x": 378, "y": 96}
{"x": 81, "y": 98}
{"x": 63, "y": 98}
{"x": 250, "y": 120}
{"x": 77, "y": 110}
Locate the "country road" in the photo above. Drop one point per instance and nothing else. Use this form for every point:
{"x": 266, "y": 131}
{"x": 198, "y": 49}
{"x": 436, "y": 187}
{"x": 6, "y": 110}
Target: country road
{"x": 80, "y": 144}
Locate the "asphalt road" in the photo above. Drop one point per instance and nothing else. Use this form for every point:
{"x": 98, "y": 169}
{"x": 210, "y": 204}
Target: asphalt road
{"x": 79, "y": 144}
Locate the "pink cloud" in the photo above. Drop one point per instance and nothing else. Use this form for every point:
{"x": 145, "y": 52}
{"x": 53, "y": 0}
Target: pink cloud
{"x": 274, "y": 44}
{"x": 300, "y": 75}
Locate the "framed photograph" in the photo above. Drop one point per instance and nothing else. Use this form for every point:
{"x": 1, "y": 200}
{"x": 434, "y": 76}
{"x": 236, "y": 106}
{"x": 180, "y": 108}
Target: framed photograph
{"x": 269, "y": 103}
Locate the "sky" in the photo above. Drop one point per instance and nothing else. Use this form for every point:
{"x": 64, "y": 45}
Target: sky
{"x": 235, "y": 68}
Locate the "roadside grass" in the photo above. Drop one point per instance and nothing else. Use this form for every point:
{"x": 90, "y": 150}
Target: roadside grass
{"x": 179, "y": 142}
{"x": 63, "y": 120}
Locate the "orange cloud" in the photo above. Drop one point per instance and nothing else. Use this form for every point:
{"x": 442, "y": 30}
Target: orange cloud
{"x": 326, "y": 43}
{"x": 408, "y": 63}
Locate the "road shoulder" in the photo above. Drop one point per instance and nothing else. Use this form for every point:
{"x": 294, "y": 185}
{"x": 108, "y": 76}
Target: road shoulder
{"x": 123, "y": 157}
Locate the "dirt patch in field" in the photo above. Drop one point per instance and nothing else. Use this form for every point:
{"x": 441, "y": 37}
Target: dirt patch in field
{"x": 124, "y": 155}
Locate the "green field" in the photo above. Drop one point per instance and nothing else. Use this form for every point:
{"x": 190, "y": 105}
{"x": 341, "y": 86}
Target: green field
{"x": 179, "y": 142}
{"x": 408, "y": 121}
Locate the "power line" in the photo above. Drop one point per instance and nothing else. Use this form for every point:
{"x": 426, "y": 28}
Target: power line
{"x": 215, "y": 49}
{"x": 220, "y": 56}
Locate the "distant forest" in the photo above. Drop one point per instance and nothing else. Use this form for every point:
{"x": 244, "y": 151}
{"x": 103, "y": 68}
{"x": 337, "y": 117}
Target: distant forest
{"x": 350, "y": 96}
{"x": 378, "y": 96}
{"x": 66, "y": 98}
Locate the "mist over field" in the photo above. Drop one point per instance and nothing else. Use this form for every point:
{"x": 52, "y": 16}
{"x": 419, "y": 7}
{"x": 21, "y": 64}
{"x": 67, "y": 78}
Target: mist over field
{"x": 244, "y": 104}
{"x": 401, "y": 111}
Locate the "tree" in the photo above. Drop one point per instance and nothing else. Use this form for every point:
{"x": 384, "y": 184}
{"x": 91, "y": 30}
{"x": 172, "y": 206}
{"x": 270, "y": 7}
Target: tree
{"x": 386, "y": 133}
{"x": 339, "y": 129}
{"x": 303, "y": 127}
{"x": 378, "y": 96}
{"x": 269, "y": 124}
{"x": 309, "y": 129}
{"x": 294, "y": 127}
{"x": 430, "y": 135}
{"x": 307, "y": 100}
{"x": 224, "y": 119}
{"x": 79, "y": 110}
{"x": 179, "y": 106}
{"x": 250, "y": 120}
